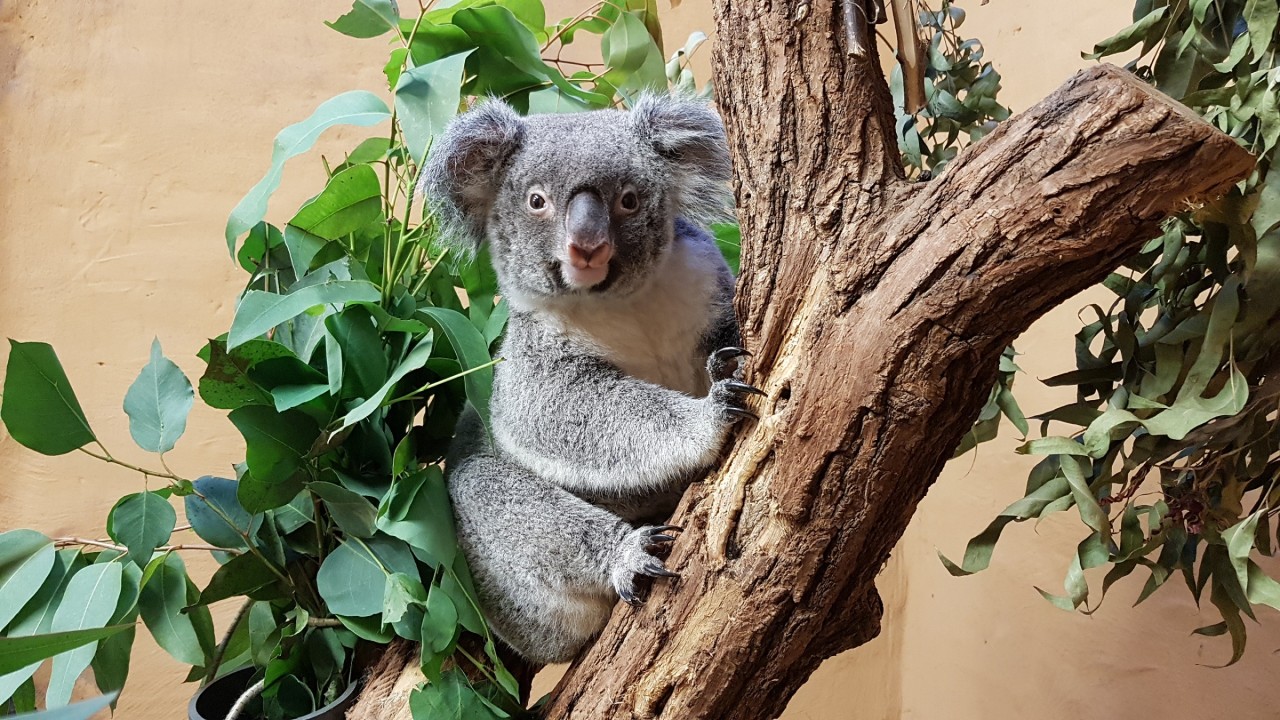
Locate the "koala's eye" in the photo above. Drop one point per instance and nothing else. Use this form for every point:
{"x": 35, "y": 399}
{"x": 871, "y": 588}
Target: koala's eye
{"x": 629, "y": 201}
{"x": 537, "y": 201}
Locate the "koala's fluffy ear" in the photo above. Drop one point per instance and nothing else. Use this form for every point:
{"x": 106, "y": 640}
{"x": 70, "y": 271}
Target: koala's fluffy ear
{"x": 464, "y": 173}
{"x": 689, "y": 135}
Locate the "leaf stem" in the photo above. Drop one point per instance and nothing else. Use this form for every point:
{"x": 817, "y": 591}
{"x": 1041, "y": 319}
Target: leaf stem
{"x": 581, "y": 16}
{"x": 430, "y": 385}
{"x": 106, "y": 545}
{"x": 108, "y": 458}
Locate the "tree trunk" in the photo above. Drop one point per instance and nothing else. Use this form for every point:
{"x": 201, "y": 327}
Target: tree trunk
{"x": 877, "y": 310}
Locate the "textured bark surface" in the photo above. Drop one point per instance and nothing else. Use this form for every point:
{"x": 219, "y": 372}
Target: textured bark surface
{"x": 877, "y": 310}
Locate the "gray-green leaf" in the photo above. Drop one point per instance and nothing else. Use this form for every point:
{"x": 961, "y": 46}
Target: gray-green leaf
{"x": 141, "y": 522}
{"x": 357, "y": 107}
{"x": 88, "y": 602}
{"x": 158, "y": 403}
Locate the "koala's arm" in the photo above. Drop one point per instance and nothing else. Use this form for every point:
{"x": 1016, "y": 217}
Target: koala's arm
{"x": 585, "y": 425}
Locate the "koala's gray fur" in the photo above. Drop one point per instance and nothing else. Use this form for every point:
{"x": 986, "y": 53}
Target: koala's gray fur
{"x": 606, "y": 405}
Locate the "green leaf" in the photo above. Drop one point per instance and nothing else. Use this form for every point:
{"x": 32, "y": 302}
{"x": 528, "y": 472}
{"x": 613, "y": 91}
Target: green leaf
{"x": 276, "y": 447}
{"x": 226, "y": 384}
{"x": 77, "y": 711}
{"x": 88, "y": 602}
{"x": 472, "y": 351}
{"x": 141, "y": 522}
{"x": 417, "y": 510}
{"x": 241, "y": 575}
{"x": 216, "y": 515}
{"x": 161, "y": 604}
{"x": 111, "y": 661}
{"x": 1189, "y": 411}
{"x": 36, "y": 617}
{"x": 158, "y": 403}
{"x": 26, "y": 558}
{"x": 427, "y": 98}
{"x": 1128, "y": 37}
{"x": 260, "y": 311}
{"x": 352, "y": 579}
{"x": 551, "y": 100}
{"x": 452, "y": 697}
{"x": 498, "y": 32}
{"x": 352, "y": 108}
{"x": 287, "y": 397}
{"x": 368, "y": 19}
{"x": 39, "y": 407}
{"x": 729, "y": 239}
{"x": 350, "y": 200}
{"x": 357, "y": 362}
{"x": 440, "y": 624}
{"x": 353, "y": 513}
{"x": 413, "y": 361}
{"x": 626, "y": 44}
{"x": 400, "y": 592}
{"x": 1261, "y": 17}
{"x": 977, "y": 555}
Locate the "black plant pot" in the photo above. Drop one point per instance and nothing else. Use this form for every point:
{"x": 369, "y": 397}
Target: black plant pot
{"x": 214, "y": 700}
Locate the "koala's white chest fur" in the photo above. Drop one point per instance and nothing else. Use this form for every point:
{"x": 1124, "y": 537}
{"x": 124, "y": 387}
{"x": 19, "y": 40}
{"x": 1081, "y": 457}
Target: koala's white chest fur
{"x": 656, "y": 334}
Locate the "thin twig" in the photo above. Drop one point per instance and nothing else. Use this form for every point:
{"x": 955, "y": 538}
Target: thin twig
{"x": 252, "y": 692}
{"x": 106, "y": 545}
{"x": 219, "y": 653}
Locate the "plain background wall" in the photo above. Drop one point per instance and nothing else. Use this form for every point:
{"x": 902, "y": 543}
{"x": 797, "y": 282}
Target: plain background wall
{"x": 129, "y": 130}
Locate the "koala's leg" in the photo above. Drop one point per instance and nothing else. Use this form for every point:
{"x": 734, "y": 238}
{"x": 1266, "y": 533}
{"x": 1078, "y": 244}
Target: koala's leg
{"x": 585, "y": 425}
{"x": 548, "y": 565}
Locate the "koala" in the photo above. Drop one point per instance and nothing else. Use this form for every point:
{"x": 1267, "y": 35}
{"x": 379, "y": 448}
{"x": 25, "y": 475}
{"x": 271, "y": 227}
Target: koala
{"x": 617, "y": 386}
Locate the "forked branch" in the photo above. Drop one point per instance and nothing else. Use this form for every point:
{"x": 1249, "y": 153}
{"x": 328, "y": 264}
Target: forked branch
{"x": 878, "y": 310}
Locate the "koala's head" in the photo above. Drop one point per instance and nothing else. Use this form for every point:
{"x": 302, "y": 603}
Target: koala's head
{"x": 578, "y": 203}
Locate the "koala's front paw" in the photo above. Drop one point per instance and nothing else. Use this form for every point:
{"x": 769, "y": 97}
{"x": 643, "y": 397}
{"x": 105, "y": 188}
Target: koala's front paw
{"x": 728, "y": 393}
{"x": 634, "y": 557}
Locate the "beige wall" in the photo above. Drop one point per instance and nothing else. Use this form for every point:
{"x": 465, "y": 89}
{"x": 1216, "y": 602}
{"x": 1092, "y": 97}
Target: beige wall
{"x": 130, "y": 130}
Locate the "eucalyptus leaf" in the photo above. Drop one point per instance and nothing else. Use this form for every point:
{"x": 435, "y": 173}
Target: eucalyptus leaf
{"x": 158, "y": 403}
{"x": 368, "y": 19}
{"x": 427, "y": 98}
{"x": 216, "y": 515}
{"x": 141, "y": 522}
{"x": 472, "y": 351}
{"x": 350, "y": 200}
{"x": 353, "y": 512}
{"x": 260, "y": 311}
{"x": 88, "y": 603}
{"x": 163, "y": 598}
{"x": 357, "y": 108}
{"x": 39, "y": 408}
{"x": 413, "y": 361}
{"x": 26, "y": 559}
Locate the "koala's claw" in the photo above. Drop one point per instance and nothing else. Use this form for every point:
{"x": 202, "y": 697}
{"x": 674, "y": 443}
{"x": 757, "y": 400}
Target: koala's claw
{"x": 729, "y": 353}
{"x": 742, "y": 413}
{"x": 741, "y": 387}
{"x": 657, "y": 569}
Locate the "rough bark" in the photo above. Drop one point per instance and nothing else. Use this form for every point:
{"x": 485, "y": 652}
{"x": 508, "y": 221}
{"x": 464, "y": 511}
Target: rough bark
{"x": 877, "y": 310}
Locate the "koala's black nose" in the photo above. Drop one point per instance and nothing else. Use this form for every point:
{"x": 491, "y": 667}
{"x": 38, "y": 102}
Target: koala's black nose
{"x": 586, "y": 221}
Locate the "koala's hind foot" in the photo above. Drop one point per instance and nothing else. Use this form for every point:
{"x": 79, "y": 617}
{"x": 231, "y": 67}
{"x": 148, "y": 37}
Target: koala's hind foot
{"x": 727, "y": 390}
{"x": 634, "y": 558}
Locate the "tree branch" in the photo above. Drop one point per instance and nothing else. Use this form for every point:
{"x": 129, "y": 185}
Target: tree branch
{"x": 878, "y": 310}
